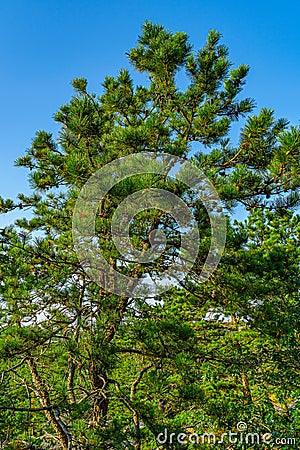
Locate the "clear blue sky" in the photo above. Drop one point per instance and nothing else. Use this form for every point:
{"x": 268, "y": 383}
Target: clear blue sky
{"x": 44, "y": 44}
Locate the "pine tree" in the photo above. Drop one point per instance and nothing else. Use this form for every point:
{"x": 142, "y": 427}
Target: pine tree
{"x": 84, "y": 368}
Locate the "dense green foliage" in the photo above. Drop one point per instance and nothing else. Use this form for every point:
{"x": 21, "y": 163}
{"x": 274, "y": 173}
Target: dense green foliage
{"x": 85, "y": 369}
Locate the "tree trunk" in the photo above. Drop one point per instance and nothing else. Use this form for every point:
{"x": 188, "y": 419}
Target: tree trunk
{"x": 43, "y": 396}
{"x": 100, "y": 400}
{"x": 246, "y": 387}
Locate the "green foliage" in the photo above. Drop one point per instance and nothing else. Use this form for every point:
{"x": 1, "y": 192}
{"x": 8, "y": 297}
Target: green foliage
{"x": 86, "y": 369}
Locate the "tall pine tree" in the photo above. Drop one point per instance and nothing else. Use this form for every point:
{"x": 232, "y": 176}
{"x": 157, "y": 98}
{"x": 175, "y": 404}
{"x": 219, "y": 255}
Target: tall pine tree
{"x": 83, "y": 368}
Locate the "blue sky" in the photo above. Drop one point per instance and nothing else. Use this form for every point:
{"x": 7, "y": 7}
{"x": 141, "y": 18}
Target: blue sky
{"x": 43, "y": 45}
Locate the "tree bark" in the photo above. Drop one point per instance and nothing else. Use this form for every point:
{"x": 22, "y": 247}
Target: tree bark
{"x": 44, "y": 398}
{"x": 100, "y": 403}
